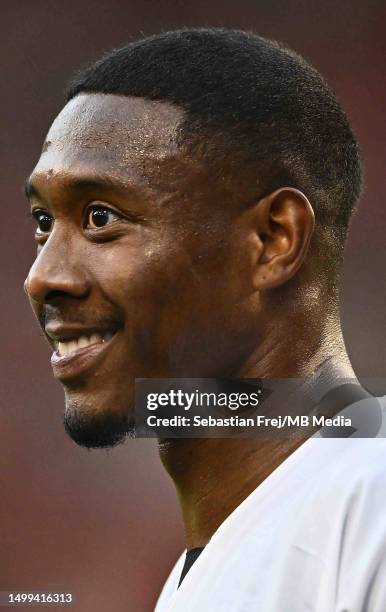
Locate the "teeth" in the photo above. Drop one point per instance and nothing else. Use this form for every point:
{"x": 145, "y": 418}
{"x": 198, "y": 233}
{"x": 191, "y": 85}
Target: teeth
{"x": 72, "y": 346}
{"x": 94, "y": 338}
{"x": 83, "y": 342}
{"x": 65, "y": 348}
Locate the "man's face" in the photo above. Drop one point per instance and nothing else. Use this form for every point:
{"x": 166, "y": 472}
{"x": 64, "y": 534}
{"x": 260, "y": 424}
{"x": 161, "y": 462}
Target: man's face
{"x": 139, "y": 271}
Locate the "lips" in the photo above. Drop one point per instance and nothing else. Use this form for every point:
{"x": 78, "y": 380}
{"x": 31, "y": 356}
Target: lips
{"x": 78, "y": 351}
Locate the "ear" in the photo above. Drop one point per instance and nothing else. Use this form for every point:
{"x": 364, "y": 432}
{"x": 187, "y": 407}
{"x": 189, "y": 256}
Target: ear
{"x": 283, "y": 223}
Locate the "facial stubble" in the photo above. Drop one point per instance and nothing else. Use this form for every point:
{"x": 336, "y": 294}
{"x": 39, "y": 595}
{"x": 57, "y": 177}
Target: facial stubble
{"x": 91, "y": 428}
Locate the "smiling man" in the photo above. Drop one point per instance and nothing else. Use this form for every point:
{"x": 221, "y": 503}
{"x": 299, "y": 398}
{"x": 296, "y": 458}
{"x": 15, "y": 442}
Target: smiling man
{"x": 192, "y": 201}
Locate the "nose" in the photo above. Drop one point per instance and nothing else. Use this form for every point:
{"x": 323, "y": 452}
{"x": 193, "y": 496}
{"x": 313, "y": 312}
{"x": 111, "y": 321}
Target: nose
{"x": 58, "y": 271}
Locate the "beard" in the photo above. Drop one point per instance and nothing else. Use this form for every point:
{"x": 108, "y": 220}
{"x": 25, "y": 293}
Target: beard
{"x": 92, "y": 428}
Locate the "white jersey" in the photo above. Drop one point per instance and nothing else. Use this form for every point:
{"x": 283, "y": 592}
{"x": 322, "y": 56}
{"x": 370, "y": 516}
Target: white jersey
{"x": 310, "y": 538}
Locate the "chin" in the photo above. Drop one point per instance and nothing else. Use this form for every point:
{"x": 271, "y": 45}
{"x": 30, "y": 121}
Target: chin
{"x": 97, "y": 426}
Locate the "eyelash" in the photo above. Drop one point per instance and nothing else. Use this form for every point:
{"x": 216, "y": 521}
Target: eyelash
{"x": 101, "y": 208}
{"x": 39, "y": 214}
{"x": 35, "y": 214}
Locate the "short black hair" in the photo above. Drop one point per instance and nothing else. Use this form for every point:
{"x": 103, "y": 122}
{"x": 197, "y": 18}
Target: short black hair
{"x": 264, "y": 103}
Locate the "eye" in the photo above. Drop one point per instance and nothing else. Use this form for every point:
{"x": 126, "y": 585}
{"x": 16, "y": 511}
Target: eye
{"x": 44, "y": 221}
{"x": 100, "y": 216}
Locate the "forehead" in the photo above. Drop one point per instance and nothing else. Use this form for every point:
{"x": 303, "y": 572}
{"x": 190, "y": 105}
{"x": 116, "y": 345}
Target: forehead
{"x": 111, "y": 134}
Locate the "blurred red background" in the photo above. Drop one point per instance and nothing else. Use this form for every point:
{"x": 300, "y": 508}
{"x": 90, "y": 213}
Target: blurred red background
{"x": 105, "y": 524}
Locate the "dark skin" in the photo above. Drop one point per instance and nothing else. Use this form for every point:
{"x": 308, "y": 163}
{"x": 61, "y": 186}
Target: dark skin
{"x": 182, "y": 277}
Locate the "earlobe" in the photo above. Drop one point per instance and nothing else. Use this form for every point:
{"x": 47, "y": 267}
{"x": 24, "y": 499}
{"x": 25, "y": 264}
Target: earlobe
{"x": 284, "y": 224}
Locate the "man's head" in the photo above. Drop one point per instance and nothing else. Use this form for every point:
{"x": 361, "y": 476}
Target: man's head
{"x": 172, "y": 221}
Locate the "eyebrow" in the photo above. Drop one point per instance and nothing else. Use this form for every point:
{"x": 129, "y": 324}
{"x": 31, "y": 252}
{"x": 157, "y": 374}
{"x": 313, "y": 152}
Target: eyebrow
{"x": 87, "y": 183}
{"x": 30, "y": 189}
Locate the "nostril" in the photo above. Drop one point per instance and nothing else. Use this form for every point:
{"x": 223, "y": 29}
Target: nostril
{"x": 55, "y": 294}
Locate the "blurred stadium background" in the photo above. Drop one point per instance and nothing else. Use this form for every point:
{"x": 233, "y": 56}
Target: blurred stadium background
{"x": 105, "y": 524}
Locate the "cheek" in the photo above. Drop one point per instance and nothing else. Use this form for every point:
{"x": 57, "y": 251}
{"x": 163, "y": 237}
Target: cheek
{"x": 154, "y": 290}
{"x": 138, "y": 277}
{"x": 177, "y": 309}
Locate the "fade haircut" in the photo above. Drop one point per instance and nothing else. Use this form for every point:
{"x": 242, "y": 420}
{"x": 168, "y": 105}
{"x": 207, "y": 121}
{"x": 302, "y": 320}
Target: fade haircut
{"x": 248, "y": 100}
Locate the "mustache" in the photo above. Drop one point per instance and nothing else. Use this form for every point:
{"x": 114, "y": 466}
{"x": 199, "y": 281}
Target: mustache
{"x": 74, "y": 316}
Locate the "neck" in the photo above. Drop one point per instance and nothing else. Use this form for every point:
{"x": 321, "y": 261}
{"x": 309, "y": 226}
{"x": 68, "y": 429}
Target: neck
{"x": 213, "y": 476}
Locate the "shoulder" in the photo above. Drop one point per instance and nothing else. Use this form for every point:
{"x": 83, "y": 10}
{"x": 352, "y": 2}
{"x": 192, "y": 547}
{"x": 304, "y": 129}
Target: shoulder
{"x": 354, "y": 465}
{"x": 348, "y": 496}
{"x": 362, "y": 549}
{"x": 341, "y": 485}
